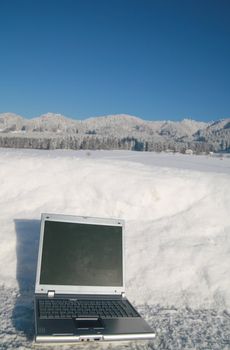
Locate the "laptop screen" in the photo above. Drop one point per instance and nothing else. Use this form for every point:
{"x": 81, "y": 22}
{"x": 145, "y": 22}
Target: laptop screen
{"x": 81, "y": 254}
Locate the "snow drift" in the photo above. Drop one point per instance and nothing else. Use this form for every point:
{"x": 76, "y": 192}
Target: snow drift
{"x": 177, "y": 220}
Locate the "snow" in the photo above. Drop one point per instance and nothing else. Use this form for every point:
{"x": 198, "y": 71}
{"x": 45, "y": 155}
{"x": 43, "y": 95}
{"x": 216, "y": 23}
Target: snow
{"x": 176, "y": 209}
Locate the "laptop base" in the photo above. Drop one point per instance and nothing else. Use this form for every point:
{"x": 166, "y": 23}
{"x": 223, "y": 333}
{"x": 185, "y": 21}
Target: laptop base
{"x": 89, "y": 328}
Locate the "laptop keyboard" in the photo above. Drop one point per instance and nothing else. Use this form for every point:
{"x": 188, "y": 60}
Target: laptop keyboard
{"x": 72, "y": 308}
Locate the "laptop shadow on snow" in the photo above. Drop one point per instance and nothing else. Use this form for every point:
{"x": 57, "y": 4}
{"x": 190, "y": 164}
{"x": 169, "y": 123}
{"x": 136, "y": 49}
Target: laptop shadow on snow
{"x": 27, "y": 241}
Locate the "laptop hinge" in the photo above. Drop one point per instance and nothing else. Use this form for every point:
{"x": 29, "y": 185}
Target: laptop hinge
{"x": 51, "y": 293}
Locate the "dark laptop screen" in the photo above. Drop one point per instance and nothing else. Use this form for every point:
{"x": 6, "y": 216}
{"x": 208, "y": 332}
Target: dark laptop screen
{"x": 81, "y": 254}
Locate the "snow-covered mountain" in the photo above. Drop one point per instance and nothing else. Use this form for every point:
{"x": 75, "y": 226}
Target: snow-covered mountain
{"x": 125, "y": 131}
{"x": 51, "y": 122}
{"x": 10, "y": 122}
{"x": 110, "y": 124}
{"x": 218, "y": 133}
{"x": 184, "y": 128}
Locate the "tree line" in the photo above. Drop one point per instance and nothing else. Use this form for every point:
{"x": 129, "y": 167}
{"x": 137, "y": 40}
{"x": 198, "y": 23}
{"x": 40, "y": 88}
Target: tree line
{"x": 97, "y": 142}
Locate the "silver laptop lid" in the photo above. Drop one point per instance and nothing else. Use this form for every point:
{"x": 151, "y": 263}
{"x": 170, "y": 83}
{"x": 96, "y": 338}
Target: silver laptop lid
{"x": 82, "y": 255}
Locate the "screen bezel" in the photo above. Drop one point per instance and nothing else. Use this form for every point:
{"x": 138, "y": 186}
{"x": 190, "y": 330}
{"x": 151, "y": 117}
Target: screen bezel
{"x": 74, "y": 289}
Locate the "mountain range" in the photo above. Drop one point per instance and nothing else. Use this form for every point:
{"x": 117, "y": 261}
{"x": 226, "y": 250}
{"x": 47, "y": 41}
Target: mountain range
{"x": 114, "y": 131}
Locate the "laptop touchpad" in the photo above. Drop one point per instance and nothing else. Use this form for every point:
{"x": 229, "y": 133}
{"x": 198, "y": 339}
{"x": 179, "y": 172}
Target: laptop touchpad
{"x": 89, "y": 323}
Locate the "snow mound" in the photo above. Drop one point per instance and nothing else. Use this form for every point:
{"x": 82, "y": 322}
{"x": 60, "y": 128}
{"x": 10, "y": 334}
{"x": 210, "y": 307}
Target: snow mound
{"x": 177, "y": 221}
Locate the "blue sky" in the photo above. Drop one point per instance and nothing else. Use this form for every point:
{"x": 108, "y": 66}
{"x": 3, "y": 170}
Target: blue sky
{"x": 81, "y": 58}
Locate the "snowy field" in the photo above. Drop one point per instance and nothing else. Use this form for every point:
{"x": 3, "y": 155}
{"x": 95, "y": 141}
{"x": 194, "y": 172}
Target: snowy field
{"x": 176, "y": 209}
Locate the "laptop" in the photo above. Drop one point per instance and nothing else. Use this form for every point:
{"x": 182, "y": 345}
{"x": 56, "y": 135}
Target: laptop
{"x": 80, "y": 282}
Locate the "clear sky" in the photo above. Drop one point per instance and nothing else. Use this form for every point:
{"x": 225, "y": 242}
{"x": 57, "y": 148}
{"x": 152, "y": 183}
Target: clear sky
{"x": 156, "y": 59}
